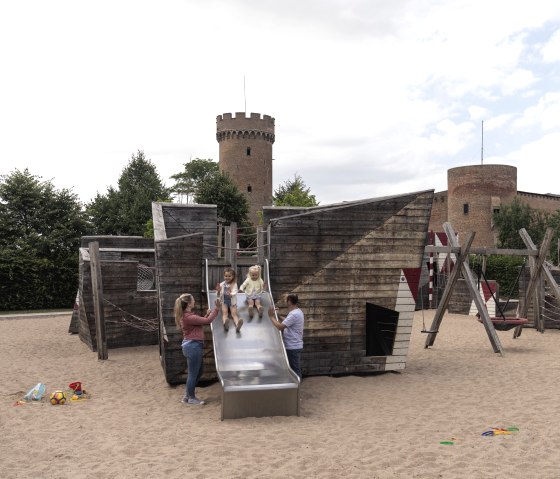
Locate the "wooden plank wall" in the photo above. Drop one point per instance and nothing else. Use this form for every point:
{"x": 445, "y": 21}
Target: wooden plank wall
{"x": 120, "y": 289}
{"x": 179, "y": 270}
{"x": 120, "y": 256}
{"x": 181, "y": 233}
{"x": 338, "y": 259}
{"x": 181, "y": 220}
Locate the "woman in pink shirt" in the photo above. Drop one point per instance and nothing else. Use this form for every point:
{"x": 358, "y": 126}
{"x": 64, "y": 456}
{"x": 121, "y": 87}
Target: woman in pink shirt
{"x": 193, "y": 341}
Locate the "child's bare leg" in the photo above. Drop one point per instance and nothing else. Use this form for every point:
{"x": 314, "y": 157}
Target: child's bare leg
{"x": 259, "y": 307}
{"x": 225, "y": 317}
{"x": 236, "y": 319}
{"x": 251, "y": 304}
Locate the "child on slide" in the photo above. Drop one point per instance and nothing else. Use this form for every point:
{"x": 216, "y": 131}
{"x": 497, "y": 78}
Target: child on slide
{"x": 253, "y": 286}
{"x": 227, "y": 293}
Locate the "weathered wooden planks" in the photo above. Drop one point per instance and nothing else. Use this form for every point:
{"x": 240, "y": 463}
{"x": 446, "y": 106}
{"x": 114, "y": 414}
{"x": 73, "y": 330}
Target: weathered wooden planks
{"x": 338, "y": 259}
{"x": 124, "y": 306}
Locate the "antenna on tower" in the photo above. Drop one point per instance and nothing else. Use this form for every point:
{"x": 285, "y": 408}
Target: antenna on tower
{"x": 482, "y": 145}
{"x": 244, "y": 96}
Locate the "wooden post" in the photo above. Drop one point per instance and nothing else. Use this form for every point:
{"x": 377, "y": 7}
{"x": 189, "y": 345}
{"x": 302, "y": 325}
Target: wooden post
{"x": 535, "y": 271}
{"x": 220, "y": 239}
{"x": 268, "y": 232}
{"x": 446, "y": 296}
{"x": 463, "y": 265}
{"x": 260, "y": 245}
{"x": 233, "y": 245}
{"x": 97, "y": 286}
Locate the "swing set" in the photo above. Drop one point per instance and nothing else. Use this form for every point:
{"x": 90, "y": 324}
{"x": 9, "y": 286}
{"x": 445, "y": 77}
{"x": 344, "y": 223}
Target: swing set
{"x": 500, "y": 322}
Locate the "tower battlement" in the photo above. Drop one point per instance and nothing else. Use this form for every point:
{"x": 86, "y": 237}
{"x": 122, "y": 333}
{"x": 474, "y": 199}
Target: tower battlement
{"x": 240, "y": 122}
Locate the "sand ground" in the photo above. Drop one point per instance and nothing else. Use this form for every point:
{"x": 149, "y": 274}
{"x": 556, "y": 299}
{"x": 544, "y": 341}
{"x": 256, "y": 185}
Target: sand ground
{"x": 389, "y": 425}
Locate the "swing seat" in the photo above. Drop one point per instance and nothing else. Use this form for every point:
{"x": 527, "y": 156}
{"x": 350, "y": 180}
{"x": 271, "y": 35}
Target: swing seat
{"x": 505, "y": 324}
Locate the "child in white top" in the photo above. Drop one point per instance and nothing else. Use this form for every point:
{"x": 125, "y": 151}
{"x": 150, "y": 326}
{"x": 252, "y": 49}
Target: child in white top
{"x": 253, "y": 286}
{"x": 227, "y": 291}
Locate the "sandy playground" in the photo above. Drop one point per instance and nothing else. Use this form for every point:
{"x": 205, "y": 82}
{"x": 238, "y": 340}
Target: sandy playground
{"x": 425, "y": 422}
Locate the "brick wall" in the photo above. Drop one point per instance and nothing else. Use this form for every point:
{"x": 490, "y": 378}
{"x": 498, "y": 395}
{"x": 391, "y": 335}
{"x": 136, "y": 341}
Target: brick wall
{"x": 439, "y": 212}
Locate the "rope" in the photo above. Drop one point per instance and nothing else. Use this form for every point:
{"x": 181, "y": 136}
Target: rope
{"x": 143, "y": 324}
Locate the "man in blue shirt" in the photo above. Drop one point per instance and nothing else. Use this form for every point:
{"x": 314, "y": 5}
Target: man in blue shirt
{"x": 291, "y": 327}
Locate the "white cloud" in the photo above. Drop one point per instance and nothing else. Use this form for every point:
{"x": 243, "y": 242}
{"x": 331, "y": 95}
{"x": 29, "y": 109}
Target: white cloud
{"x": 518, "y": 80}
{"x": 551, "y": 50}
{"x": 369, "y": 97}
{"x": 535, "y": 162}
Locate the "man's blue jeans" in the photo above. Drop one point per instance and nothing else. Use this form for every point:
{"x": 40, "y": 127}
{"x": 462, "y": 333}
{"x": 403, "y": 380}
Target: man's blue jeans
{"x": 294, "y": 360}
{"x": 193, "y": 351}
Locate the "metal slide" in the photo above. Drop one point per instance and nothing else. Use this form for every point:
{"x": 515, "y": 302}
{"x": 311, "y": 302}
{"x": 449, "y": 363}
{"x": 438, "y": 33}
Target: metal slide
{"x": 252, "y": 365}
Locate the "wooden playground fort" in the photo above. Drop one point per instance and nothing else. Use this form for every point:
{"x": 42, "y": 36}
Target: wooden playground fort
{"x": 354, "y": 265}
{"x": 341, "y": 275}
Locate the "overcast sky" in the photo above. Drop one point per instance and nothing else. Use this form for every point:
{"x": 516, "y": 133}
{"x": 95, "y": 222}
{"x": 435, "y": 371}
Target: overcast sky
{"x": 370, "y": 97}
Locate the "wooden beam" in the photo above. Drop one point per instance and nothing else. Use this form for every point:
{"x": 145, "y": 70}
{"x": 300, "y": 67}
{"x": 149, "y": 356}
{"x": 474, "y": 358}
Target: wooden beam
{"x": 481, "y": 251}
{"x": 233, "y": 245}
{"x": 446, "y": 296}
{"x": 552, "y": 282}
{"x": 260, "y": 244}
{"x": 97, "y": 286}
{"x": 463, "y": 265}
{"x": 535, "y": 272}
{"x": 159, "y": 222}
{"x": 475, "y": 294}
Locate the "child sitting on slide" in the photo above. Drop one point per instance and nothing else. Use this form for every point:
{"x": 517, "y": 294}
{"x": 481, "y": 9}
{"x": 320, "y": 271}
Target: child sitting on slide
{"x": 227, "y": 293}
{"x": 253, "y": 286}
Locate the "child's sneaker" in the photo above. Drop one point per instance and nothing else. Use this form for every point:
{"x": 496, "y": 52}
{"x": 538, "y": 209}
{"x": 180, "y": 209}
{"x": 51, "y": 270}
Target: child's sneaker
{"x": 238, "y": 325}
{"x": 195, "y": 402}
{"x": 226, "y": 325}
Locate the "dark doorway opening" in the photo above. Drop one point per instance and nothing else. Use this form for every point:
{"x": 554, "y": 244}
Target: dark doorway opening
{"x": 381, "y": 328}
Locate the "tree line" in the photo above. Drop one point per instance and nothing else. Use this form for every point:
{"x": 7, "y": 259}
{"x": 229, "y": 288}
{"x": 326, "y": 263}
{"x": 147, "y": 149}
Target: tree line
{"x": 41, "y": 226}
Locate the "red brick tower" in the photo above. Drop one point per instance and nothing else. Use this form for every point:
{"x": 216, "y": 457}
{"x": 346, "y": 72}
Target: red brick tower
{"x": 474, "y": 193}
{"x": 246, "y": 155}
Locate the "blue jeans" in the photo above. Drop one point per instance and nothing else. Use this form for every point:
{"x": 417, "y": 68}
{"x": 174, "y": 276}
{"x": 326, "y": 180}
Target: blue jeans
{"x": 193, "y": 351}
{"x": 294, "y": 359}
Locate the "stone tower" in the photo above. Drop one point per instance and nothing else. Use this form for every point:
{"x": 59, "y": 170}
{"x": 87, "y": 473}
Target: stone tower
{"x": 474, "y": 193}
{"x": 246, "y": 155}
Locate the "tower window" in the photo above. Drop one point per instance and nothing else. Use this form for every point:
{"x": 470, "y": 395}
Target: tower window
{"x": 465, "y": 208}
{"x": 248, "y": 151}
{"x": 249, "y": 188}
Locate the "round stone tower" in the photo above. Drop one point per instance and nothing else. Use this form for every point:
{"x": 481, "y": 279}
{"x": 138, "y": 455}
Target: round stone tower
{"x": 246, "y": 155}
{"x": 474, "y": 193}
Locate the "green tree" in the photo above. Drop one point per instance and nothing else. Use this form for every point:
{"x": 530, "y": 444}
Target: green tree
{"x": 294, "y": 193}
{"x": 126, "y": 210}
{"x": 554, "y": 223}
{"x": 511, "y": 218}
{"x": 39, "y": 242}
{"x": 218, "y": 189}
{"x": 195, "y": 171}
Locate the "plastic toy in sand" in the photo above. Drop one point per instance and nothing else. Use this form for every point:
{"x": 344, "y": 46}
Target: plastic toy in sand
{"x": 36, "y": 393}
{"x": 78, "y": 392}
{"x": 500, "y": 431}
